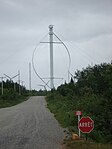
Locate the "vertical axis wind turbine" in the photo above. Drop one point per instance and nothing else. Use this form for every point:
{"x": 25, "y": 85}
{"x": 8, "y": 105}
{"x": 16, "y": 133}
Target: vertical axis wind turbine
{"x": 51, "y": 56}
{"x": 51, "y": 42}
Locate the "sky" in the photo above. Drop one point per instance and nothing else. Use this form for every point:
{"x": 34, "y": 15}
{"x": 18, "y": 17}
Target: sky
{"x": 85, "y": 27}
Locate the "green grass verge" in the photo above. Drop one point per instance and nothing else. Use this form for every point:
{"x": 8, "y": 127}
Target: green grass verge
{"x": 87, "y": 145}
{"x": 12, "y": 102}
{"x": 63, "y": 110}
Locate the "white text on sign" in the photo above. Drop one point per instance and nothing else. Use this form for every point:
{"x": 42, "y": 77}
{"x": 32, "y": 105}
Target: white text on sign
{"x": 86, "y": 124}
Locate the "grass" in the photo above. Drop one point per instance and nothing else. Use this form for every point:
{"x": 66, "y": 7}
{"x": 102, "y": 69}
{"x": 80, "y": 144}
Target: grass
{"x": 12, "y": 102}
{"x": 87, "y": 145}
{"x": 63, "y": 110}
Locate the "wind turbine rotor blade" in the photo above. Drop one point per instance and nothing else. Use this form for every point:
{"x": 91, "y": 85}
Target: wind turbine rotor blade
{"x": 7, "y": 76}
{"x": 14, "y": 76}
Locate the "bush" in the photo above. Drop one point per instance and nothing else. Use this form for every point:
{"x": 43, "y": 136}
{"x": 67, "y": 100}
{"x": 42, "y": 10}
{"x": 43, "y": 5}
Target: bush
{"x": 92, "y": 94}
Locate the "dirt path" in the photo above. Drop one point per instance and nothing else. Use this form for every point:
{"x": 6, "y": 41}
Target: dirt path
{"x": 29, "y": 125}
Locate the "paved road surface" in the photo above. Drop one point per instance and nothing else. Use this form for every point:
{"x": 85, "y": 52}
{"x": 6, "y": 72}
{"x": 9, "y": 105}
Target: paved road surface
{"x": 29, "y": 125}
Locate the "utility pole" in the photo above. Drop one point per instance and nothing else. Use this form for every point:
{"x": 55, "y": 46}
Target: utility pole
{"x": 22, "y": 86}
{"x": 51, "y": 56}
{"x": 19, "y": 82}
{"x": 30, "y": 77}
{"x": 2, "y": 84}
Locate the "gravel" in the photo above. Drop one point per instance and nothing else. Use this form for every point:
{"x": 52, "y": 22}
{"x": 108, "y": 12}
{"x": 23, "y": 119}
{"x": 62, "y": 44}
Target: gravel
{"x": 29, "y": 125}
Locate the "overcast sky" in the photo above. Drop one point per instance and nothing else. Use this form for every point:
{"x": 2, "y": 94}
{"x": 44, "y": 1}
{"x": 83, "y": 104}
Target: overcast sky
{"x": 85, "y": 26}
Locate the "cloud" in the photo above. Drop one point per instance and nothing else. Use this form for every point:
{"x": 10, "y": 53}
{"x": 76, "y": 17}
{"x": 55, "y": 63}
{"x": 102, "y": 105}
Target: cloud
{"x": 85, "y": 26}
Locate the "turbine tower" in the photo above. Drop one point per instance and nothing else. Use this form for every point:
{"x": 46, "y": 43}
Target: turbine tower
{"x": 51, "y": 56}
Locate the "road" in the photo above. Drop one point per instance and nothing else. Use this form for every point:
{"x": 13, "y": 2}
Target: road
{"x": 29, "y": 125}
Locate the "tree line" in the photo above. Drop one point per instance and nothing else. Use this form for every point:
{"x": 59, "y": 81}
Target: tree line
{"x": 12, "y": 93}
{"x": 90, "y": 90}
{"x": 10, "y": 90}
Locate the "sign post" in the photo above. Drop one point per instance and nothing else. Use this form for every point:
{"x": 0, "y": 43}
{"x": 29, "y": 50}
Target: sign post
{"x": 86, "y": 125}
{"x": 78, "y": 113}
